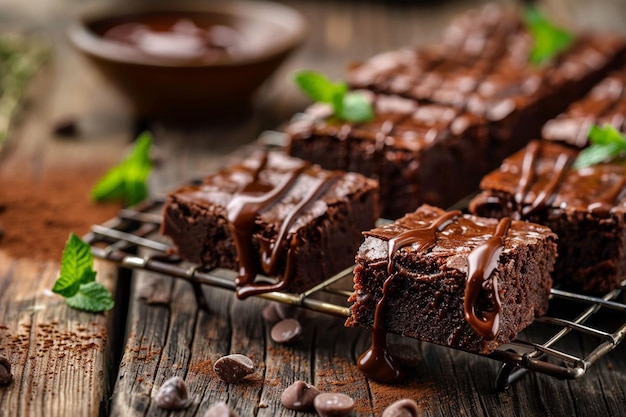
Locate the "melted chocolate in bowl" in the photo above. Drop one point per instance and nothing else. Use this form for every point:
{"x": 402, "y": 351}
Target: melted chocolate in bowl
{"x": 177, "y": 36}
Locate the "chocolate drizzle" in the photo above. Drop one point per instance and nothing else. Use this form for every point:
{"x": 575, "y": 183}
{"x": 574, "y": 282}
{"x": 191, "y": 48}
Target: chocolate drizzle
{"x": 377, "y": 363}
{"x": 606, "y": 203}
{"x": 482, "y": 261}
{"x": 546, "y": 196}
{"x": 255, "y": 196}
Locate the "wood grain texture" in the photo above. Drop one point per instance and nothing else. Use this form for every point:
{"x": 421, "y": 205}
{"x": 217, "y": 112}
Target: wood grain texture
{"x": 59, "y": 356}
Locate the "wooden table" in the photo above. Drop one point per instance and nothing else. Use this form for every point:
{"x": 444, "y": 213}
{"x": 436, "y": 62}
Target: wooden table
{"x": 68, "y": 363}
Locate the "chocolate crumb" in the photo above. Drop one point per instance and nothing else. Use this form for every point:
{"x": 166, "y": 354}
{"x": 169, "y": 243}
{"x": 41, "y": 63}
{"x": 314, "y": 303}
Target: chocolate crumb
{"x": 233, "y": 368}
{"x": 173, "y": 395}
{"x": 6, "y": 377}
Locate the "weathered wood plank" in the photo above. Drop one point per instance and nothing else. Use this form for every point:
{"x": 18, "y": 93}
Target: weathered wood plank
{"x": 59, "y": 356}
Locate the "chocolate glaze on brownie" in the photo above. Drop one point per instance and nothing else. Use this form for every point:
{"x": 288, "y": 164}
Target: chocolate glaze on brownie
{"x": 585, "y": 207}
{"x": 273, "y": 215}
{"x": 480, "y": 280}
{"x": 605, "y": 104}
{"x": 471, "y": 100}
{"x": 417, "y": 151}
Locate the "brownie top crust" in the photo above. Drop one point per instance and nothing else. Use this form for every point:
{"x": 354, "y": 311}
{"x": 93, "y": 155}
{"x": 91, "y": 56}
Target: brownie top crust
{"x": 268, "y": 203}
{"x": 541, "y": 176}
{"x": 267, "y": 172}
{"x": 457, "y": 235}
{"x": 605, "y": 104}
{"x": 398, "y": 122}
{"x": 482, "y": 65}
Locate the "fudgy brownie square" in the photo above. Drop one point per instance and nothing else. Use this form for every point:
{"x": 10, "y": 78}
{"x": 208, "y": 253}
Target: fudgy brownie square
{"x": 488, "y": 101}
{"x": 417, "y": 151}
{"x": 585, "y": 207}
{"x": 605, "y": 104}
{"x": 275, "y": 215}
{"x": 457, "y": 280}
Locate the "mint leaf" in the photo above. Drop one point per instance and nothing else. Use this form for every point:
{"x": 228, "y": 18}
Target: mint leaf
{"x": 356, "y": 108}
{"x": 549, "y": 39}
{"x": 346, "y": 105}
{"x": 77, "y": 281}
{"x": 93, "y": 297}
{"x": 316, "y": 86}
{"x": 76, "y": 267}
{"x": 606, "y": 143}
{"x": 127, "y": 181}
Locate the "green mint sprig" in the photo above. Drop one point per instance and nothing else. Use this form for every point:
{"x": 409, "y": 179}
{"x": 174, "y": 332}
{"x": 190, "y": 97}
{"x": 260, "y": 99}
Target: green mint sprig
{"x": 347, "y": 105}
{"x": 606, "y": 143}
{"x": 549, "y": 39}
{"x": 127, "y": 181}
{"x": 77, "y": 281}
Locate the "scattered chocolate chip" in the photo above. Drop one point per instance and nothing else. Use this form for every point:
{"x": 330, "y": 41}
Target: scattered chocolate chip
{"x": 299, "y": 396}
{"x": 173, "y": 394}
{"x": 220, "y": 409}
{"x": 233, "y": 368}
{"x": 405, "y": 355}
{"x": 331, "y": 404}
{"x": 402, "y": 408}
{"x": 275, "y": 311}
{"x": 270, "y": 314}
{"x": 5, "y": 371}
{"x": 65, "y": 127}
{"x": 286, "y": 331}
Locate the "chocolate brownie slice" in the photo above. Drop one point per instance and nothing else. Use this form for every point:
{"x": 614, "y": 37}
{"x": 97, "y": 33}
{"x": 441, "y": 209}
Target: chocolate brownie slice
{"x": 487, "y": 102}
{"x": 605, "y": 104}
{"x": 585, "y": 207}
{"x": 457, "y": 280}
{"x": 417, "y": 151}
{"x": 275, "y": 215}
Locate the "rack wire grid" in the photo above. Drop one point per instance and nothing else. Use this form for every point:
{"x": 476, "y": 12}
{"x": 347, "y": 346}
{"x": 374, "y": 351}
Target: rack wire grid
{"x": 601, "y": 318}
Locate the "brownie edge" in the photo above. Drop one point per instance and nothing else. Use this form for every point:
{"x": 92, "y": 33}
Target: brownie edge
{"x": 425, "y": 299}
{"x": 300, "y": 236}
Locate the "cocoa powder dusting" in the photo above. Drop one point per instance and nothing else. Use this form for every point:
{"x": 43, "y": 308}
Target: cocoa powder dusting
{"x": 37, "y": 216}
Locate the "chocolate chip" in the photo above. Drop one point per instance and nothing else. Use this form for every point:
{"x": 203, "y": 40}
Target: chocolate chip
{"x": 405, "y": 355}
{"x": 402, "y": 408}
{"x": 65, "y": 127}
{"x": 220, "y": 409}
{"x": 299, "y": 396}
{"x": 173, "y": 394}
{"x": 6, "y": 377}
{"x": 270, "y": 314}
{"x": 331, "y": 404}
{"x": 233, "y": 368}
{"x": 286, "y": 331}
{"x": 275, "y": 311}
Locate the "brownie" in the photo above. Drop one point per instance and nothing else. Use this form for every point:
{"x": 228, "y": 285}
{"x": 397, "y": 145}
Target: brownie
{"x": 605, "y": 104}
{"x": 454, "y": 279}
{"x": 417, "y": 151}
{"x": 585, "y": 207}
{"x": 490, "y": 99}
{"x": 275, "y": 215}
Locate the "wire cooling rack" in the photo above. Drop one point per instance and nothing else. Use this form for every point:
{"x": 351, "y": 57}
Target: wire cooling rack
{"x": 545, "y": 347}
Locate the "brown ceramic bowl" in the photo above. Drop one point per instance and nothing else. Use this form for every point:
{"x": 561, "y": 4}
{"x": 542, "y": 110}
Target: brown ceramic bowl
{"x": 208, "y": 65}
